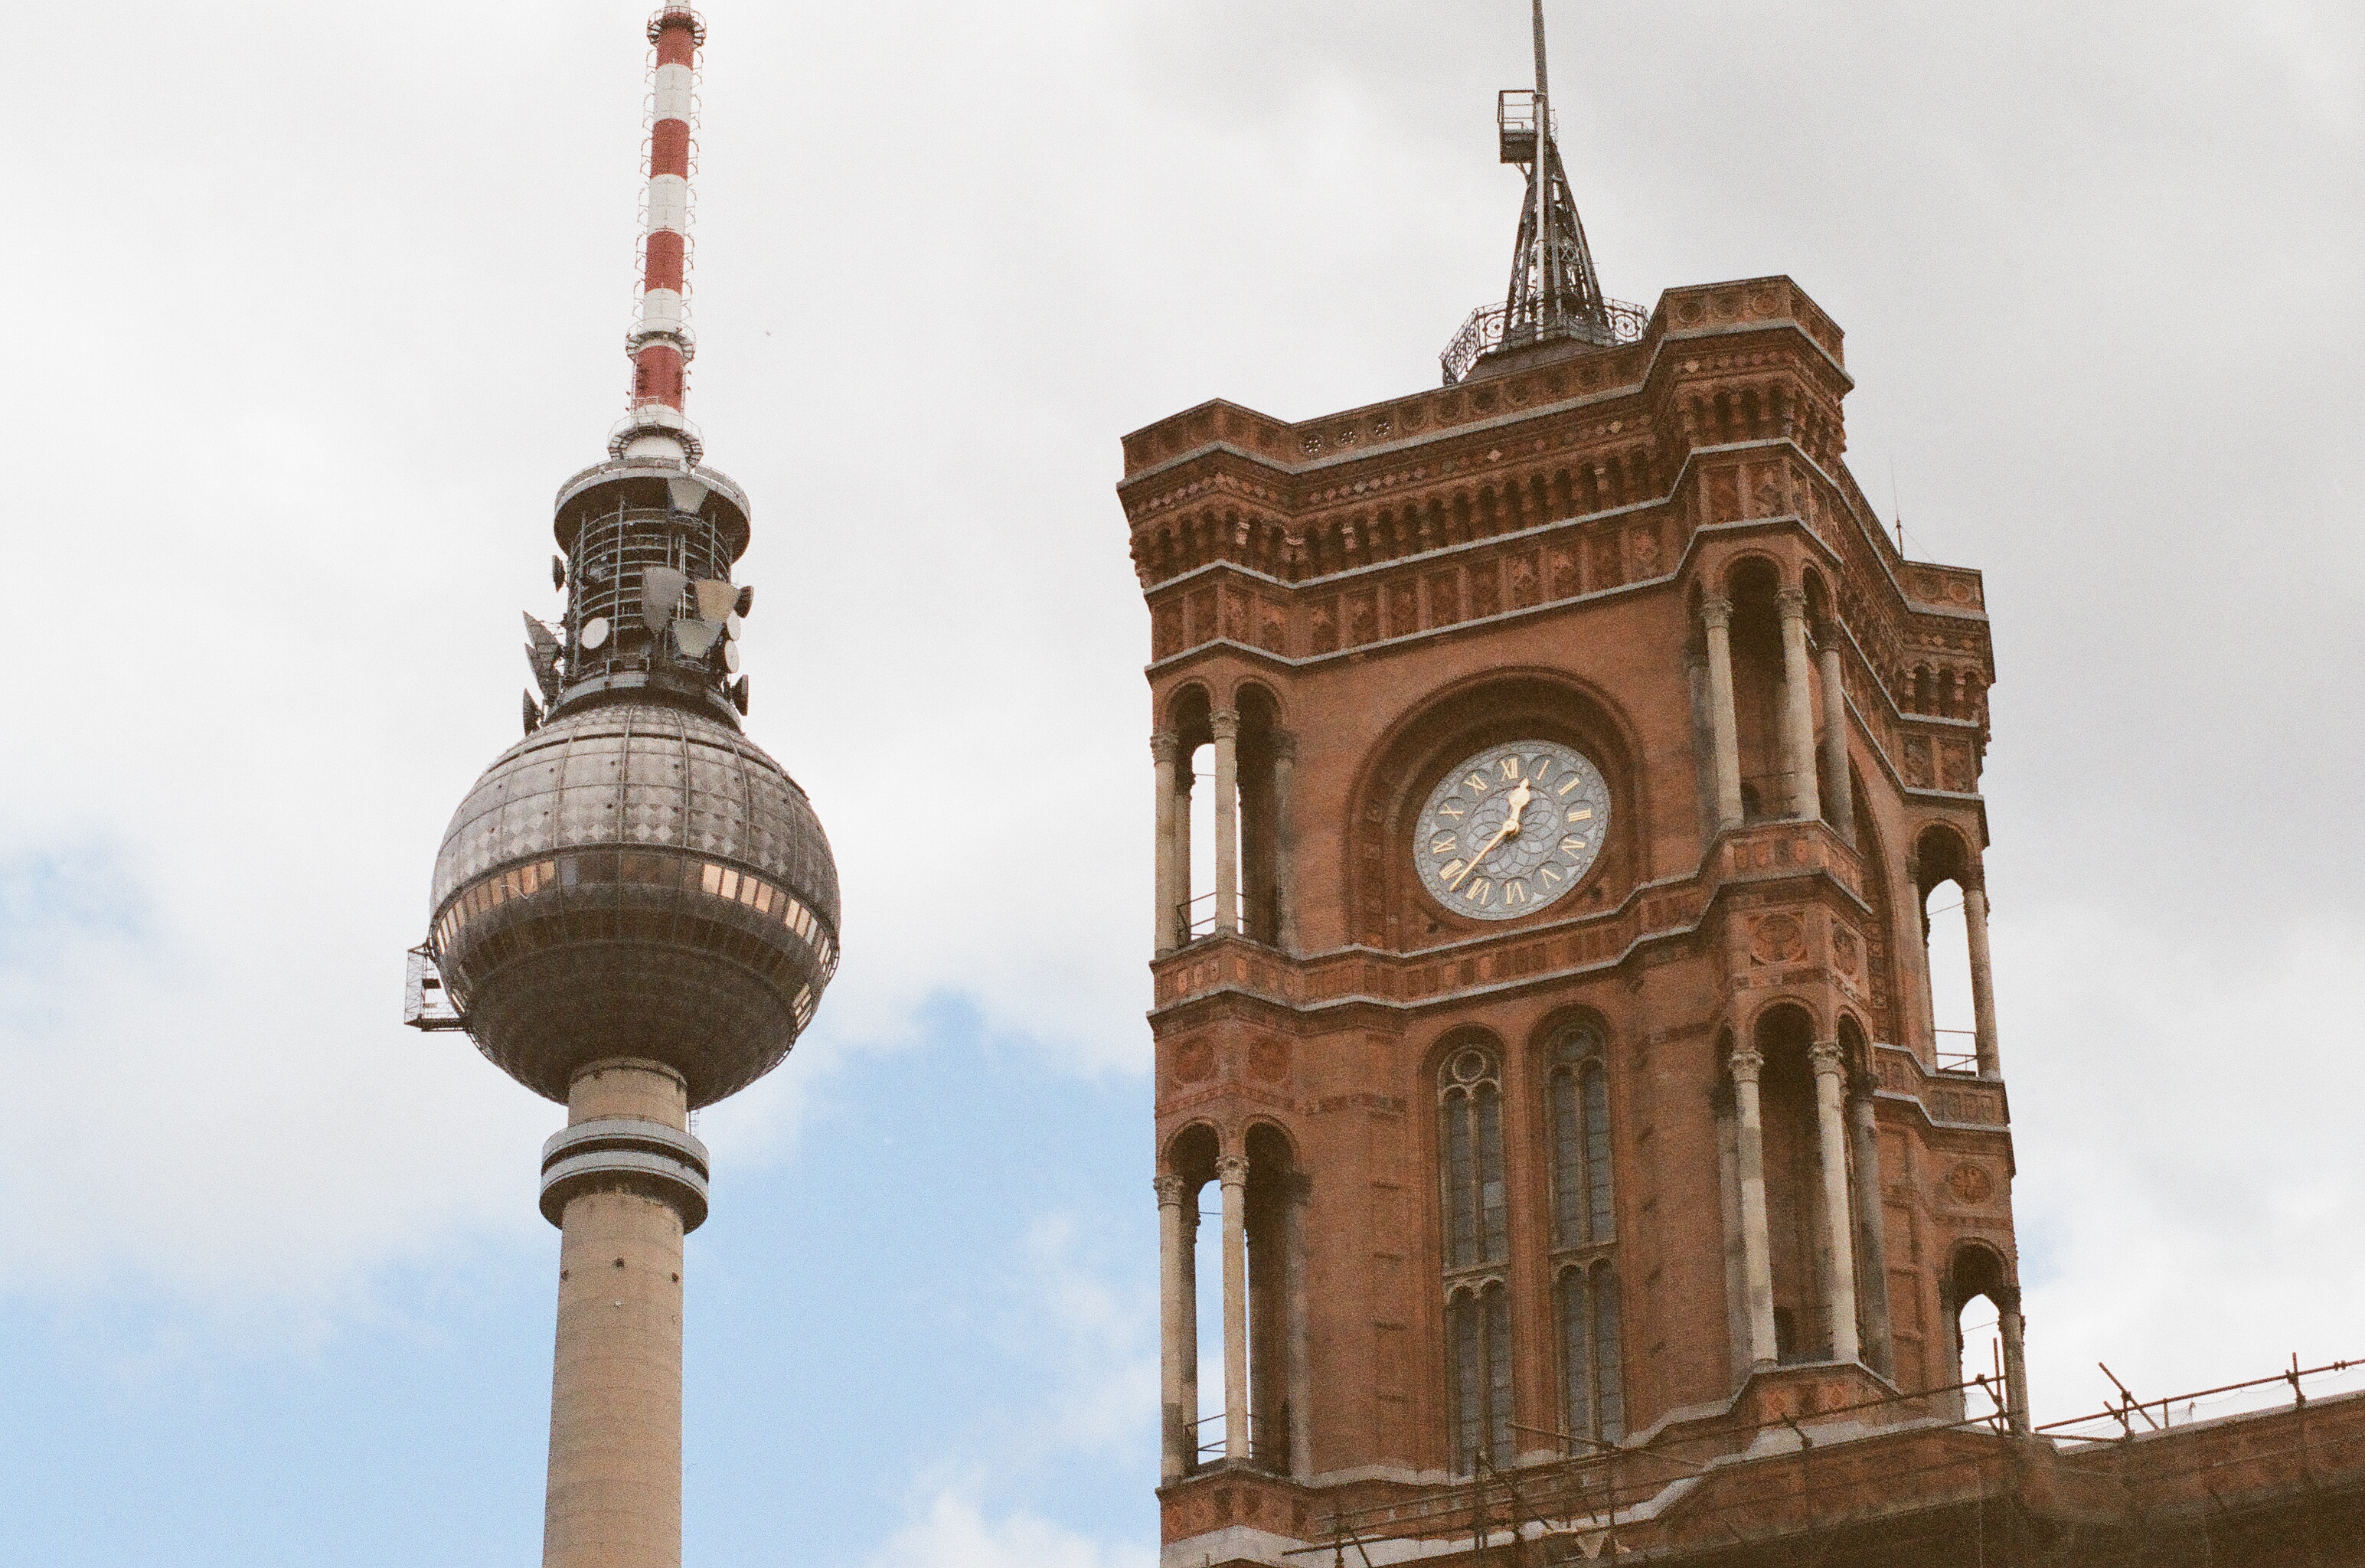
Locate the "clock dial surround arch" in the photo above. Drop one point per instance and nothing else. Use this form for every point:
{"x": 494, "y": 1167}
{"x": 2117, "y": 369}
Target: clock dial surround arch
{"x": 1386, "y": 906}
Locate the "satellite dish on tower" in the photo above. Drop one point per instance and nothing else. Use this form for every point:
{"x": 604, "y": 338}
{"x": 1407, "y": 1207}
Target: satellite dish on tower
{"x": 739, "y": 695}
{"x": 731, "y": 657}
{"x": 696, "y": 637}
{"x": 714, "y": 598}
{"x": 746, "y": 599}
{"x": 661, "y": 595}
{"x": 687, "y": 495}
{"x": 594, "y": 633}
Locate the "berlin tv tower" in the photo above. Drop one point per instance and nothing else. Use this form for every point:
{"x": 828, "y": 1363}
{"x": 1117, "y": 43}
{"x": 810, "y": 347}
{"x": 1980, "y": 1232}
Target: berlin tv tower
{"x": 635, "y": 909}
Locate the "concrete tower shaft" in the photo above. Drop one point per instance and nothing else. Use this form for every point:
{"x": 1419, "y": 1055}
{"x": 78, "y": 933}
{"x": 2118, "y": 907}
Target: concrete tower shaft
{"x": 614, "y": 1495}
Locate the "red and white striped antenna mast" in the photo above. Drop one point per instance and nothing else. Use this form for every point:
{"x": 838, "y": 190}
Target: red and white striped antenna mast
{"x": 660, "y": 343}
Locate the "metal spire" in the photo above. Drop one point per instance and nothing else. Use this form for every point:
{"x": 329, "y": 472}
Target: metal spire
{"x": 1555, "y": 296}
{"x": 1554, "y": 292}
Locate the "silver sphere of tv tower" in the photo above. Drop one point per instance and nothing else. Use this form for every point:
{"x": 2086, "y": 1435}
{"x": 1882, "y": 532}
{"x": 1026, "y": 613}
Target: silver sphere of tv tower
{"x": 635, "y": 877}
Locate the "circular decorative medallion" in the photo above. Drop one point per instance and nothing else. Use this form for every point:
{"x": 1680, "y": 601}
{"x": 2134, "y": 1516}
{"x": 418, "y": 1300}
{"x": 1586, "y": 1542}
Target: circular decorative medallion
{"x": 1778, "y": 939}
{"x": 1511, "y": 829}
{"x": 1970, "y": 1183}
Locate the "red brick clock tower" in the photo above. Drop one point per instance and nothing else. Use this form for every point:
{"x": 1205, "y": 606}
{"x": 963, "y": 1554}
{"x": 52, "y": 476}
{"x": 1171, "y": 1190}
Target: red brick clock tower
{"x": 1552, "y": 1009}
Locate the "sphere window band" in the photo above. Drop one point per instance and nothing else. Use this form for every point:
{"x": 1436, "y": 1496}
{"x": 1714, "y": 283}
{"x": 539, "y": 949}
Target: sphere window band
{"x": 641, "y": 868}
{"x": 1511, "y": 829}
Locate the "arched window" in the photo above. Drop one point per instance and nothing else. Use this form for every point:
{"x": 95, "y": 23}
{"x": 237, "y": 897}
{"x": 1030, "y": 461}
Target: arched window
{"x": 1583, "y": 1212}
{"x": 1477, "y": 1242}
{"x": 1470, "y": 1135}
{"x": 1592, "y": 1366}
{"x": 1585, "y": 1220}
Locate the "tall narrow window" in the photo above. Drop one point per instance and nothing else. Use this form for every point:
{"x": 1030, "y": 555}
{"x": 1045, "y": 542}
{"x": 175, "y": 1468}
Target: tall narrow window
{"x": 1610, "y": 1403}
{"x": 1585, "y": 1224}
{"x": 1583, "y": 1212}
{"x": 1477, "y": 1242}
{"x": 1478, "y": 1331}
{"x": 1592, "y": 1367}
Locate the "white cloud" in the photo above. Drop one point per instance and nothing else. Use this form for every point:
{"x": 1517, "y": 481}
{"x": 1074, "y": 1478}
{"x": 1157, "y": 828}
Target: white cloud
{"x": 1107, "y": 1360}
{"x": 955, "y": 1533}
{"x": 2190, "y": 1187}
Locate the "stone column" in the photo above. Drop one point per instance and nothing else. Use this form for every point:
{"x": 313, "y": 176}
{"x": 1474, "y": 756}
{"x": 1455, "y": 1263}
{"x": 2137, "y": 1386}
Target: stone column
{"x": 1975, "y": 927}
{"x": 1736, "y": 1267}
{"x": 1187, "y": 1347}
{"x": 1301, "y": 1346}
{"x": 1233, "y": 1172}
{"x": 1839, "y": 789}
{"x": 1227, "y": 726}
{"x": 1831, "y": 1069}
{"x": 1950, "y": 1314}
{"x": 1716, "y": 615}
{"x": 1872, "y": 1229}
{"x": 1285, "y": 840}
{"x": 1917, "y": 1011}
{"x": 1185, "y": 780}
{"x": 2010, "y": 1328}
{"x": 1757, "y": 1252}
{"x": 624, "y": 1182}
{"x": 1174, "y": 1309}
{"x": 1798, "y": 706}
{"x": 1163, "y": 746}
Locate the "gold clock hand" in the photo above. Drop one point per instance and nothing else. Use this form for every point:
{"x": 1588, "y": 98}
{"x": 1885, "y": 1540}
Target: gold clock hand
{"x": 1482, "y": 854}
{"x": 1518, "y": 799}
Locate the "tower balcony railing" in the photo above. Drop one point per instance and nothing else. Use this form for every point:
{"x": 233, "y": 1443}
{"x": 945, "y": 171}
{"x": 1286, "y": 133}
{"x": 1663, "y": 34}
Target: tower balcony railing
{"x": 1488, "y": 327}
{"x": 1199, "y": 915}
{"x": 1966, "y": 1063}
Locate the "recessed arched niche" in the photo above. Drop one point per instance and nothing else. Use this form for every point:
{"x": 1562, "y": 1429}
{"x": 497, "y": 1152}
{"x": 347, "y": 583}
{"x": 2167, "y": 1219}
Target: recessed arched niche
{"x": 1389, "y": 906}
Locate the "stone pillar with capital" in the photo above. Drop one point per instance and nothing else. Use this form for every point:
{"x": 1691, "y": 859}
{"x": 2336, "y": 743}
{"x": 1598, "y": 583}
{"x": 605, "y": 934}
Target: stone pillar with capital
{"x": 1838, "y": 787}
{"x": 1232, "y": 1170}
{"x": 1166, "y": 929}
{"x": 1716, "y": 617}
{"x": 1227, "y": 726}
{"x": 1722, "y": 1107}
{"x": 1176, "y": 1322}
{"x": 1871, "y": 1227}
{"x": 1798, "y": 706}
{"x": 2010, "y": 1328}
{"x": 1975, "y": 931}
{"x": 1757, "y": 1252}
{"x": 1831, "y": 1071}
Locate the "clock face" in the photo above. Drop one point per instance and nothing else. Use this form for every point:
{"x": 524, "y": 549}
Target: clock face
{"x": 1511, "y": 829}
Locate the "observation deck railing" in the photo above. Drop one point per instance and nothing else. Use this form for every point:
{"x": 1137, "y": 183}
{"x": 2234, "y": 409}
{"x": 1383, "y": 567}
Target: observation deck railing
{"x": 1487, "y": 328}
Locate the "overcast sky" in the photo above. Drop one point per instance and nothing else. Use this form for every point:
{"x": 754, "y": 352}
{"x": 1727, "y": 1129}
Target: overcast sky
{"x": 316, "y": 305}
